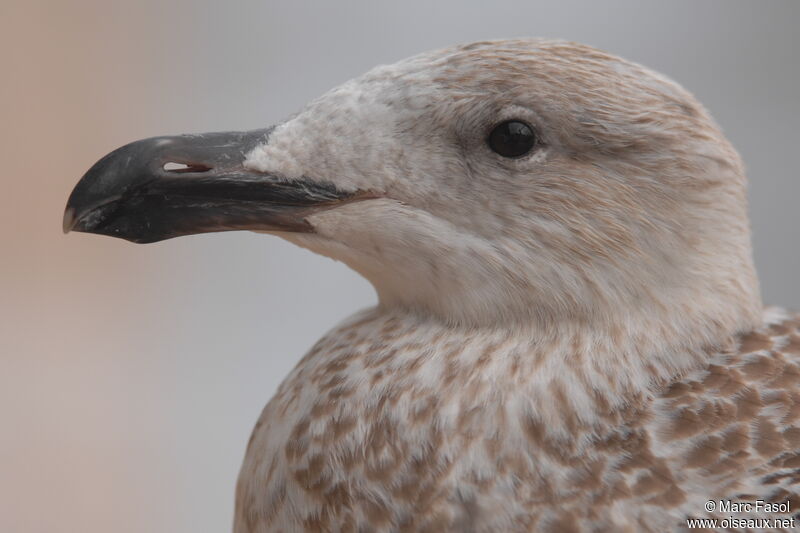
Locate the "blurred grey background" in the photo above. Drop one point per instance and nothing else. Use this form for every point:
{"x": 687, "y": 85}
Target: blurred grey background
{"x": 132, "y": 375}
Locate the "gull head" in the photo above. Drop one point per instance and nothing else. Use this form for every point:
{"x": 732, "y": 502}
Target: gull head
{"x": 530, "y": 182}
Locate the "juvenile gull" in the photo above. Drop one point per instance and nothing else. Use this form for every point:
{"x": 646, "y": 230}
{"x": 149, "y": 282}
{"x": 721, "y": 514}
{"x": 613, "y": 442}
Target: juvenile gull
{"x": 569, "y": 335}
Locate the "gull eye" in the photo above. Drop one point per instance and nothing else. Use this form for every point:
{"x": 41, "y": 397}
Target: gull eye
{"x": 512, "y": 138}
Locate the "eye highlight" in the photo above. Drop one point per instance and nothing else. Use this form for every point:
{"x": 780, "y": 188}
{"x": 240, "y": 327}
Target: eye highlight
{"x": 512, "y": 138}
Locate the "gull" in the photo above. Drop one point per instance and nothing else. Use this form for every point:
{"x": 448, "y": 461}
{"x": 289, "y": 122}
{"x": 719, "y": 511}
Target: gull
{"x": 569, "y": 334}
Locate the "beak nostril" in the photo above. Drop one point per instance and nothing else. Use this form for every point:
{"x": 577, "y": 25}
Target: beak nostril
{"x": 172, "y": 166}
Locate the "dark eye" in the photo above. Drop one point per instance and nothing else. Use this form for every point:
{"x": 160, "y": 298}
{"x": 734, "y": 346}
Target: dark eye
{"x": 512, "y": 138}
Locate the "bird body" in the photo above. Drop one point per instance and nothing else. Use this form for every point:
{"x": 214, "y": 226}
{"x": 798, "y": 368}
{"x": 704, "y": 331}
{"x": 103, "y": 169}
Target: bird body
{"x": 569, "y": 334}
{"x": 392, "y": 423}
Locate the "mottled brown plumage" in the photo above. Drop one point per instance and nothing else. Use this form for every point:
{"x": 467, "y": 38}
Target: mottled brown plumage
{"x": 383, "y": 431}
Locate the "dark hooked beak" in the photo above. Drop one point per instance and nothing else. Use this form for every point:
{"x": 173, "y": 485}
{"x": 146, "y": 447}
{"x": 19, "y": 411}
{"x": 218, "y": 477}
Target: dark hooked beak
{"x": 165, "y": 187}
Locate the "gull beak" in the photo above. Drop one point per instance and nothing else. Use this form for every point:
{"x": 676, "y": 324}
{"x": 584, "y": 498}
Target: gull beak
{"x": 165, "y": 187}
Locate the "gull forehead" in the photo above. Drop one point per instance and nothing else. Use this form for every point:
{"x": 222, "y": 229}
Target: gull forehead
{"x": 579, "y": 94}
